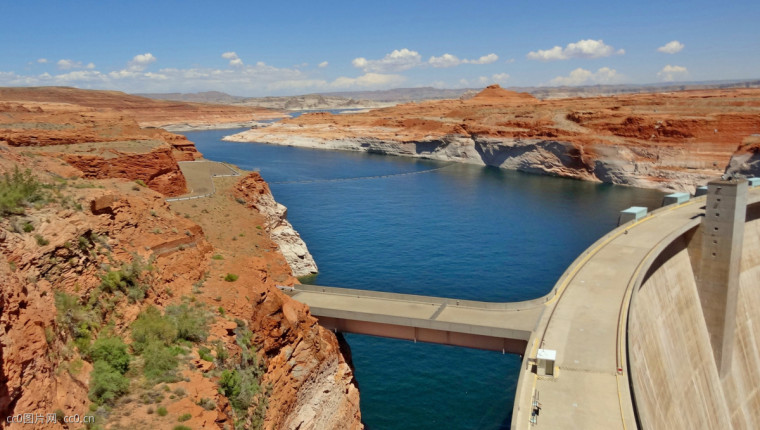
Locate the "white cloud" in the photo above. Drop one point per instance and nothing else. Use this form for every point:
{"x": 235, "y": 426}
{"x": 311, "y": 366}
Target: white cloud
{"x": 486, "y": 59}
{"x": 448, "y": 60}
{"x": 396, "y": 61}
{"x": 498, "y": 78}
{"x": 445, "y": 60}
{"x": 587, "y": 48}
{"x": 247, "y": 79}
{"x": 66, "y": 64}
{"x": 671, "y": 47}
{"x": 323, "y": 64}
{"x": 42, "y": 60}
{"x": 580, "y": 76}
{"x": 368, "y": 80}
{"x": 235, "y": 60}
{"x": 672, "y": 73}
{"x": 141, "y": 61}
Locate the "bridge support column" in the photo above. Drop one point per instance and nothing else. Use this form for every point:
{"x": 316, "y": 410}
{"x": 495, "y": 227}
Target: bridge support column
{"x": 718, "y": 266}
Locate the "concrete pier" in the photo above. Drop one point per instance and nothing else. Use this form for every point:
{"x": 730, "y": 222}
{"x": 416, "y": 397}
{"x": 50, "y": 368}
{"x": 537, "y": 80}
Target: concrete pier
{"x": 718, "y": 273}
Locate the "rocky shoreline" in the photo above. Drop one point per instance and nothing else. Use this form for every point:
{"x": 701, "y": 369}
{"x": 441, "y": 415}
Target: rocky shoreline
{"x": 615, "y": 165}
{"x": 255, "y": 192}
{"x": 671, "y": 142}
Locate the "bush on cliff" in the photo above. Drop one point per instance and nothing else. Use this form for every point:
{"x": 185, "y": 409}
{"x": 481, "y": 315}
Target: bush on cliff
{"x": 106, "y": 383}
{"x": 191, "y": 322}
{"x": 75, "y": 319}
{"x": 113, "y": 351}
{"x": 127, "y": 279}
{"x": 18, "y": 190}
{"x": 156, "y": 336}
{"x": 151, "y": 327}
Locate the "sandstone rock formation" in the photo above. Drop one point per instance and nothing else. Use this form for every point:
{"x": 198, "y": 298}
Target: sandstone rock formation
{"x": 102, "y": 144}
{"x": 147, "y": 112}
{"x": 255, "y": 192}
{"x": 746, "y": 161}
{"x": 672, "y": 141}
{"x": 94, "y": 218}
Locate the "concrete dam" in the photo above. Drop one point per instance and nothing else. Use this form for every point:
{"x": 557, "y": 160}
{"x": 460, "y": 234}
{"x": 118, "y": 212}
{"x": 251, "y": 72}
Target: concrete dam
{"x": 655, "y": 326}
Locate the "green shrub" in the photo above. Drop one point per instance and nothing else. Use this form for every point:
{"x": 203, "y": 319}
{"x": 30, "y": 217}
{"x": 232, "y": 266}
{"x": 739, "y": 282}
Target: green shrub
{"x": 207, "y": 404}
{"x": 182, "y": 427}
{"x": 111, "y": 350}
{"x": 151, "y": 326}
{"x": 106, "y": 383}
{"x": 41, "y": 241}
{"x": 184, "y": 417}
{"x": 205, "y": 354}
{"x": 18, "y": 190}
{"x": 240, "y": 387}
{"x": 140, "y": 182}
{"x": 159, "y": 362}
{"x": 231, "y": 277}
{"x": 28, "y": 227}
{"x": 73, "y": 317}
{"x": 230, "y": 383}
{"x": 221, "y": 352}
{"x": 218, "y": 257}
{"x": 191, "y": 322}
{"x": 128, "y": 276}
{"x": 161, "y": 411}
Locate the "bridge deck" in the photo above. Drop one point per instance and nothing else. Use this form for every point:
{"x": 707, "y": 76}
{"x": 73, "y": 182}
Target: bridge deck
{"x": 514, "y": 321}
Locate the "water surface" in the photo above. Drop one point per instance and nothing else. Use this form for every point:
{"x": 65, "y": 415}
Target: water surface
{"x": 446, "y": 229}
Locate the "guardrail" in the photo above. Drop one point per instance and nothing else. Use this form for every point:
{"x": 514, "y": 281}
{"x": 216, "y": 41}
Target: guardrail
{"x": 213, "y": 187}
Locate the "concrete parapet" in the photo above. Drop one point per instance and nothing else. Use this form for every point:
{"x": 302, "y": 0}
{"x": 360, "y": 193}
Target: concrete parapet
{"x": 701, "y": 191}
{"x": 632, "y": 213}
{"x": 753, "y": 182}
{"x": 675, "y": 198}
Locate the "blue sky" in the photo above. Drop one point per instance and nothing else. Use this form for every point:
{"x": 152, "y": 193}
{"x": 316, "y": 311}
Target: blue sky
{"x": 262, "y": 48}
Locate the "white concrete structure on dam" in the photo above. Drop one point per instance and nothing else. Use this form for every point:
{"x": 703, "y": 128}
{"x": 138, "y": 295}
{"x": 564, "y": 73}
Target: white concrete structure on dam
{"x": 633, "y": 344}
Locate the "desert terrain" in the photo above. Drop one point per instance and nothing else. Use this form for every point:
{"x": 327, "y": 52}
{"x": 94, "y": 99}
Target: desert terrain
{"x": 670, "y": 141}
{"x": 138, "y": 312}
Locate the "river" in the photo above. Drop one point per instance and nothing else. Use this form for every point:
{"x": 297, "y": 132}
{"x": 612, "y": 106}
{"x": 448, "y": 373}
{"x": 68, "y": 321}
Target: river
{"x": 432, "y": 228}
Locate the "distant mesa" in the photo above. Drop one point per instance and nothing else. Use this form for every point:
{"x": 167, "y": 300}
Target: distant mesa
{"x": 498, "y": 94}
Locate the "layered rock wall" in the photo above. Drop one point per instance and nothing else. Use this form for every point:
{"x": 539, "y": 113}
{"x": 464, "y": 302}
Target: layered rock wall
{"x": 254, "y": 191}
{"x": 672, "y": 141}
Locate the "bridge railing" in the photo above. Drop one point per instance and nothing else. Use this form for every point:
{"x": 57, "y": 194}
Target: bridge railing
{"x": 513, "y": 306}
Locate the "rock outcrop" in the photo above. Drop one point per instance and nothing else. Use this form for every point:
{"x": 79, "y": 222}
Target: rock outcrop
{"x": 101, "y": 144}
{"x": 147, "y": 112}
{"x": 671, "y": 141}
{"x": 94, "y": 218}
{"x": 254, "y": 191}
{"x": 309, "y": 375}
{"x": 746, "y": 161}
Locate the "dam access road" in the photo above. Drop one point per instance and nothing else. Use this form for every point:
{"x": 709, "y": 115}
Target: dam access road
{"x": 583, "y": 318}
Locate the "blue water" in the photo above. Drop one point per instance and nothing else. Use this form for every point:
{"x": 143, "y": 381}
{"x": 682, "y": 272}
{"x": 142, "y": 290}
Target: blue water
{"x": 452, "y": 230}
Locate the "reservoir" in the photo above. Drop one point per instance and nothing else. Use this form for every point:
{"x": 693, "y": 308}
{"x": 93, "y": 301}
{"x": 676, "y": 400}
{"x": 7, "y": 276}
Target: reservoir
{"x": 431, "y": 228}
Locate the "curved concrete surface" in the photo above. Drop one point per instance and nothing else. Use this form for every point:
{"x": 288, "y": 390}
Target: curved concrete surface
{"x": 586, "y": 324}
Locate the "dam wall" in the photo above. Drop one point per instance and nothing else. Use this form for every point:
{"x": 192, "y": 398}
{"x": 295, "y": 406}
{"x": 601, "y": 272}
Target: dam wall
{"x": 674, "y": 377}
